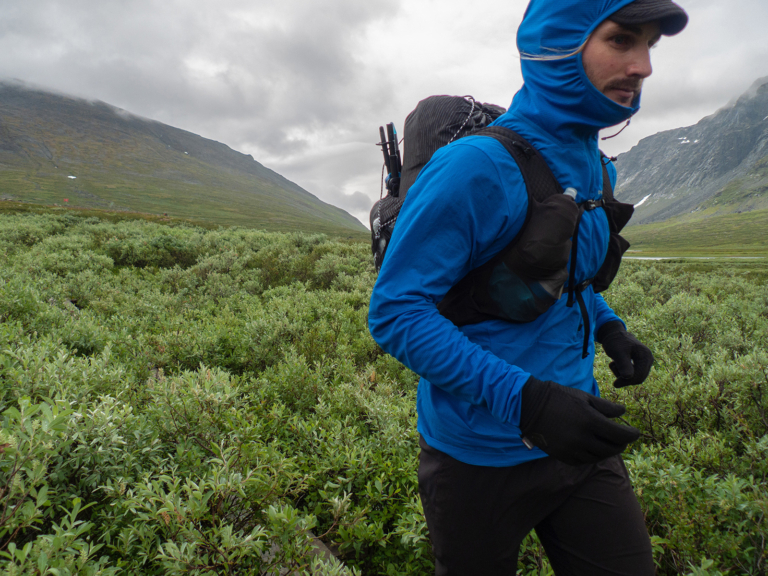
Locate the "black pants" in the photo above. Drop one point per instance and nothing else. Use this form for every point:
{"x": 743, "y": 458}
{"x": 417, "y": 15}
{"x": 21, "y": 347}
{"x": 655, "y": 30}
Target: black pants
{"x": 587, "y": 517}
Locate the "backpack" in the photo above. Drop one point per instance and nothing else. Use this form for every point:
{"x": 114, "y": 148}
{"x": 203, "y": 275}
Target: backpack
{"x": 528, "y": 276}
{"x": 435, "y": 122}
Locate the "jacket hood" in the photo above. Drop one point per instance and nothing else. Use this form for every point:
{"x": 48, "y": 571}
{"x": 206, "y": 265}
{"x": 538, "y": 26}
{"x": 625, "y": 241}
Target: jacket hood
{"x": 557, "y": 95}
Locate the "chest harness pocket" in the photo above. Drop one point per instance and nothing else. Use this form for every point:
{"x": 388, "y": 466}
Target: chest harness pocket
{"x": 528, "y": 276}
{"x": 618, "y": 215}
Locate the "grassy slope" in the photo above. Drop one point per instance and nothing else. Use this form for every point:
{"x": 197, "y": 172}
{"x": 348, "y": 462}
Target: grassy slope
{"x": 10, "y": 208}
{"x": 228, "y": 200}
{"x": 743, "y": 234}
{"x": 127, "y": 163}
{"x": 743, "y": 194}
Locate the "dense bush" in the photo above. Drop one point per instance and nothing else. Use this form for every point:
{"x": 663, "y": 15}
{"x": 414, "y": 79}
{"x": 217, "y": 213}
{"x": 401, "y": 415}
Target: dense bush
{"x": 702, "y": 467}
{"x": 182, "y": 401}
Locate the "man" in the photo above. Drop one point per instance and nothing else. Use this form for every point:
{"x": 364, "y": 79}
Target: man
{"x": 514, "y": 436}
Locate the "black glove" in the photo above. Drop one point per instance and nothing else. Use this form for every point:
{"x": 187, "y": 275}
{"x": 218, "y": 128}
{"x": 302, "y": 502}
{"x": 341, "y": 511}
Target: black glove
{"x": 632, "y": 360}
{"x": 571, "y": 425}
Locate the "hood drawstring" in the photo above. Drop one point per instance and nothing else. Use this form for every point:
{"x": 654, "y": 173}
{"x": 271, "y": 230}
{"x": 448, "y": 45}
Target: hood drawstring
{"x": 617, "y": 133}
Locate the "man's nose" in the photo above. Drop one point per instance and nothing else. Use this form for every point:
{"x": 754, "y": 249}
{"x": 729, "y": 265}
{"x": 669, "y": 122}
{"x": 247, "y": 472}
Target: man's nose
{"x": 641, "y": 63}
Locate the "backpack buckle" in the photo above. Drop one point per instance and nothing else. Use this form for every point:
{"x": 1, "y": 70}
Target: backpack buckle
{"x": 592, "y": 204}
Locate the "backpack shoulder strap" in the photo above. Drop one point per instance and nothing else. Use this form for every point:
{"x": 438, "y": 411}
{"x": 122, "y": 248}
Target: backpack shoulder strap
{"x": 618, "y": 213}
{"x": 607, "y": 188}
{"x": 500, "y": 288}
{"x": 539, "y": 180}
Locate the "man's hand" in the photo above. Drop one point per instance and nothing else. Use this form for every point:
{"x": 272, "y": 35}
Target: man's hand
{"x": 632, "y": 360}
{"x": 571, "y": 425}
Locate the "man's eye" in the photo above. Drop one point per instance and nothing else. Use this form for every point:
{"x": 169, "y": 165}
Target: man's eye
{"x": 620, "y": 40}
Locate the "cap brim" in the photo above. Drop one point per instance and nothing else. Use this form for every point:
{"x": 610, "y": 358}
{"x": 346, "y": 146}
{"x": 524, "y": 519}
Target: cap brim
{"x": 671, "y": 17}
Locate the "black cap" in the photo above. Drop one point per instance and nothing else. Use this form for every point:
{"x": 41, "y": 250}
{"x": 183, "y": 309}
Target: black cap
{"x": 672, "y": 19}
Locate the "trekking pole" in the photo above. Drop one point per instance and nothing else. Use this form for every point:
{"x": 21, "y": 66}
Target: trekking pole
{"x": 395, "y": 164}
{"x": 383, "y": 144}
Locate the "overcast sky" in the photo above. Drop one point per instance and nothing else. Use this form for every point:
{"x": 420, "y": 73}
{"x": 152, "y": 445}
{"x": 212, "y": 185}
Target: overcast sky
{"x": 303, "y": 85}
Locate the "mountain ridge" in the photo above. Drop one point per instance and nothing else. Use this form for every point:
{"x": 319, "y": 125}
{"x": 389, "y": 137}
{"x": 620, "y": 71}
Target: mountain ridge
{"x": 717, "y": 166}
{"x": 115, "y": 159}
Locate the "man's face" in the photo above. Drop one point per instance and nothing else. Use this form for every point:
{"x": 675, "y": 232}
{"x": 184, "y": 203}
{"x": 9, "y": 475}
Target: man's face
{"x": 617, "y": 59}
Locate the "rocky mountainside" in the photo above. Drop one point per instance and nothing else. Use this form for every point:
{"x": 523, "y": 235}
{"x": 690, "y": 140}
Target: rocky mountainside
{"x": 717, "y": 166}
{"x": 55, "y": 149}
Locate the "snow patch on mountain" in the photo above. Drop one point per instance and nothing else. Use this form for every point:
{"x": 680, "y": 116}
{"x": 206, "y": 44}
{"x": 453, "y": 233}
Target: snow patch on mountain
{"x": 642, "y": 201}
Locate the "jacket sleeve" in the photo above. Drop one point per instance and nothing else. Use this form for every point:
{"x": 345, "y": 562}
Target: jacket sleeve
{"x": 604, "y": 313}
{"x": 458, "y": 215}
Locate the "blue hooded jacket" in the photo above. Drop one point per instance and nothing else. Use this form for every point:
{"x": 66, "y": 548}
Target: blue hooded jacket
{"x": 468, "y": 203}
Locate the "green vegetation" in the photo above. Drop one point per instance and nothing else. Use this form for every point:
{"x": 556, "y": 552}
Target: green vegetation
{"x": 747, "y": 193}
{"x": 743, "y": 234}
{"x": 9, "y": 208}
{"x": 178, "y": 400}
{"x": 231, "y": 202}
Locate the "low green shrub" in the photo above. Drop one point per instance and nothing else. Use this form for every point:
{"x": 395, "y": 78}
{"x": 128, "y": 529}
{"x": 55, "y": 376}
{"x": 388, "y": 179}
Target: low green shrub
{"x": 184, "y": 401}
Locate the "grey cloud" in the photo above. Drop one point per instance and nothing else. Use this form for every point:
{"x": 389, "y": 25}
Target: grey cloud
{"x": 303, "y": 85}
{"x": 355, "y": 202}
{"x": 276, "y": 81}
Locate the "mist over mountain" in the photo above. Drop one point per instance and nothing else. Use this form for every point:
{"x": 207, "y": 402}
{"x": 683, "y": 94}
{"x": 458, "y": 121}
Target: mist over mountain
{"x": 717, "y": 166}
{"x": 56, "y": 149}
